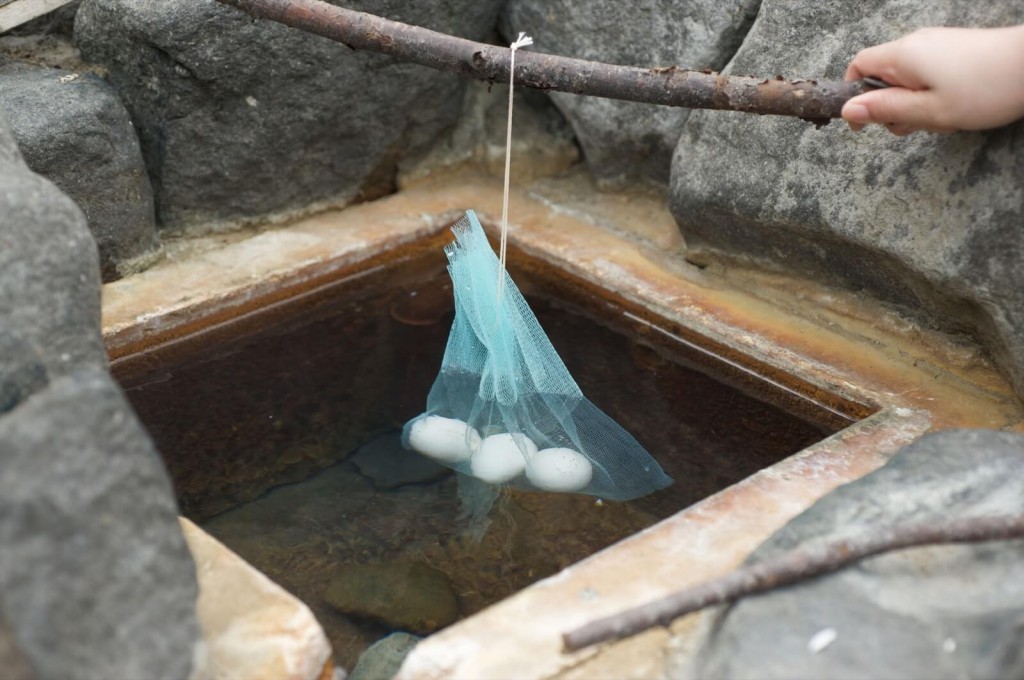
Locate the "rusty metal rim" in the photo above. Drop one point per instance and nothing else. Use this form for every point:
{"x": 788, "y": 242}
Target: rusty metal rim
{"x": 211, "y": 323}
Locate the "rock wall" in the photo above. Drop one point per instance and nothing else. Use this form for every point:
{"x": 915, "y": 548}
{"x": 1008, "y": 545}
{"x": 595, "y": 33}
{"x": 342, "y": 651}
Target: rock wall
{"x": 933, "y": 225}
{"x": 95, "y": 578}
{"x": 627, "y": 143}
{"x": 241, "y": 119}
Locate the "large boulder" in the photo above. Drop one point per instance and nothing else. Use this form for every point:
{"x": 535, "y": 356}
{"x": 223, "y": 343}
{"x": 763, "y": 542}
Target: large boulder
{"x": 240, "y": 119}
{"x": 73, "y": 130}
{"x": 929, "y": 224}
{"x": 628, "y": 143}
{"x": 95, "y": 578}
{"x": 950, "y": 611}
{"x": 50, "y": 306}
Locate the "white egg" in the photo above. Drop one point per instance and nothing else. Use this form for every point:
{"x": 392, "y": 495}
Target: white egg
{"x": 559, "y": 470}
{"x": 500, "y": 457}
{"x": 448, "y": 440}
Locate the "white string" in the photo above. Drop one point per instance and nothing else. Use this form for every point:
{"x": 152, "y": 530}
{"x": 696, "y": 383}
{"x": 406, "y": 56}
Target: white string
{"x": 523, "y": 41}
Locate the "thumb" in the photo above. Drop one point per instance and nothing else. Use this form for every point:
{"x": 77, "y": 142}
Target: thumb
{"x": 910, "y": 108}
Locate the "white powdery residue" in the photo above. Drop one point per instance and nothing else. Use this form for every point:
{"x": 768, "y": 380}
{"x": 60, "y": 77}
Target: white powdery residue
{"x": 949, "y": 645}
{"x": 562, "y": 209}
{"x": 270, "y": 245}
{"x": 822, "y": 639}
{"x": 610, "y": 271}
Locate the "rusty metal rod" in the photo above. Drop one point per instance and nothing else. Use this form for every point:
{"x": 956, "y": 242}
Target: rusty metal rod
{"x": 816, "y": 101}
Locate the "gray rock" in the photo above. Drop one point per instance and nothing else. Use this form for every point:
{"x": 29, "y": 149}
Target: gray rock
{"x": 952, "y": 611}
{"x": 628, "y": 143}
{"x": 50, "y": 307}
{"x": 543, "y": 144}
{"x": 22, "y": 371}
{"x": 240, "y": 118}
{"x": 73, "y": 130}
{"x": 929, "y": 224}
{"x": 95, "y": 577}
{"x": 384, "y": 657}
{"x": 390, "y": 465}
{"x": 411, "y": 596}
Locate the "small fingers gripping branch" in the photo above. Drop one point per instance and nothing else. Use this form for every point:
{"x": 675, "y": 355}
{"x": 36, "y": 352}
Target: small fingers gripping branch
{"x": 504, "y": 408}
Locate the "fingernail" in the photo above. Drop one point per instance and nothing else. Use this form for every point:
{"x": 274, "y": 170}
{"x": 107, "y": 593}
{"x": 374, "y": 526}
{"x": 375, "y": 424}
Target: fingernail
{"x": 856, "y": 113}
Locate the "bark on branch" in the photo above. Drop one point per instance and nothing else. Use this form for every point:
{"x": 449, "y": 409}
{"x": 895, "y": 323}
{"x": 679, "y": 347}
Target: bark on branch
{"x": 812, "y": 100}
{"x": 800, "y": 564}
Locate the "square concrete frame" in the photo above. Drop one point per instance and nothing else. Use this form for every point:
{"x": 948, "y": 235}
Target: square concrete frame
{"x": 820, "y": 344}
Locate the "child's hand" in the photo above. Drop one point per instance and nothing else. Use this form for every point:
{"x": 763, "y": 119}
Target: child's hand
{"x": 943, "y": 80}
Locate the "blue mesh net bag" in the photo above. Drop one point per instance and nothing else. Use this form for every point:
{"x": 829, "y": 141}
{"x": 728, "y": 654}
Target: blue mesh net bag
{"x": 504, "y": 408}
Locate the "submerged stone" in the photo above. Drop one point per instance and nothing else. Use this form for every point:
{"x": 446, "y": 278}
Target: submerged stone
{"x": 390, "y": 465}
{"x": 945, "y": 611}
{"x": 410, "y": 596}
{"x": 383, "y": 659}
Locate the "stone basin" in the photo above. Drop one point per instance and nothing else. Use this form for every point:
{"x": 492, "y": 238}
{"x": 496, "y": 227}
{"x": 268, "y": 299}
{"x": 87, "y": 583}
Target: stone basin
{"x": 819, "y": 345}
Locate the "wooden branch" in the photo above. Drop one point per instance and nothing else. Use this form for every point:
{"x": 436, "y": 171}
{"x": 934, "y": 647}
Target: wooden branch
{"x": 16, "y": 12}
{"x": 672, "y": 86}
{"x": 797, "y": 565}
